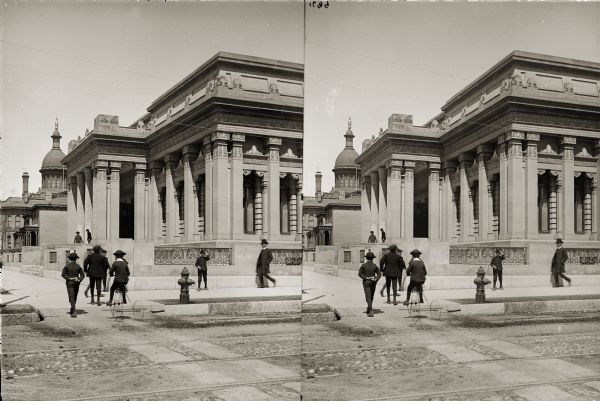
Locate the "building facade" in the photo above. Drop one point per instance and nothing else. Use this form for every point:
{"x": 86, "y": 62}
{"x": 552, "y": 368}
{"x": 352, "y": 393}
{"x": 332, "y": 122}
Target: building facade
{"x": 215, "y": 163}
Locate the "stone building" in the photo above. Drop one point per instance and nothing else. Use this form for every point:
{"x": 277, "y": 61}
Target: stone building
{"x": 36, "y": 218}
{"x": 215, "y": 163}
{"x": 328, "y": 217}
{"x": 512, "y": 161}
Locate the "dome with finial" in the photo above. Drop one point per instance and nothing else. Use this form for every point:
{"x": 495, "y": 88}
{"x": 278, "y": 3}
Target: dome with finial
{"x": 347, "y": 156}
{"x": 52, "y": 160}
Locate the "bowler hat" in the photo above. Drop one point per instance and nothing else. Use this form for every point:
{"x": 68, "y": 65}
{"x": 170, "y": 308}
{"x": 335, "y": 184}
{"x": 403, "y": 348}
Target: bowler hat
{"x": 497, "y": 250}
{"x": 264, "y": 241}
{"x": 73, "y": 256}
{"x": 97, "y": 248}
{"x": 393, "y": 248}
{"x": 76, "y": 232}
{"x": 559, "y": 241}
{"x": 118, "y": 253}
{"x": 415, "y": 252}
{"x": 370, "y": 256}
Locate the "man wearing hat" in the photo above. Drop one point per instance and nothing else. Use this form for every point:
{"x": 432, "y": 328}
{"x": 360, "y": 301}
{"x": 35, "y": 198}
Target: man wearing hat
{"x": 558, "y": 264}
{"x": 370, "y": 274}
{"x": 496, "y": 264}
{"x": 105, "y": 275}
{"x": 417, "y": 272}
{"x": 78, "y": 238}
{"x": 95, "y": 265}
{"x": 73, "y": 275}
{"x": 120, "y": 271}
{"x": 262, "y": 264}
{"x": 202, "y": 268}
{"x": 391, "y": 265}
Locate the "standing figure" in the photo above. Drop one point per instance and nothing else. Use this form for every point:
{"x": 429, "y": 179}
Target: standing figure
{"x": 105, "y": 274}
{"x": 417, "y": 272}
{"x": 372, "y": 238}
{"x": 262, "y": 264}
{"x": 370, "y": 274}
{"x": 88, "y": 235}
{"x": 496, "y": 264}
{"x": 95, "y": 265}
{"x": 202, "y": 268}
{"x": 120, "y": 270}
{"x": 558, "y": 264}
{"x": 392, "y": 265}
{"x": 73, "y": 275}
{"x": 382, "y": 235}
{"x": 78, "y": 239}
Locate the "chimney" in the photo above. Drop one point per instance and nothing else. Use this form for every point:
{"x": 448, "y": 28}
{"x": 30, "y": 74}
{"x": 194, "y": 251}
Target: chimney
{"x": 318, "y": 176}
{"x": 25, "y": 177}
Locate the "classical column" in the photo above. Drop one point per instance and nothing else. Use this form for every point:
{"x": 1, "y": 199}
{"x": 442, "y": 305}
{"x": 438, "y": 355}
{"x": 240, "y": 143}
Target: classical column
{"x": 516, "y": 176}
{"x": 81, "y": 203}
{"x": 394, "y": 200}
{"x": 115, "y": 199}
{"x": 485, "y": 224}
{"x": 274, "y": 188}
{"x": 409, "y": 199}
{"x": 433, "y": 211}
{"x": 265, "y": 204}
{"x": 554, "y": 195}
{"x": 567, "y": 207}
{"x": 139, "y": 200}
{"x": 531, "y": 186}
{"x": 190, "y": 153}
{"x": 382, "y": 172}
{"x": 293, "y": 205}
{"x": 365, "y": 209}
{"x": 201, "y": 204}
{"x": 375, "y": 203}
{"x": 449, "y": 221}
{"x": 171, "y": 204}
{"x": 503, "y": 188}
{"x": 258, "y": 203}
{"x": 587, "y": 206}
{"x": 299, "y": 208}
{"x": 466, "y": 217}
{"x": 595, "y": 204}
{"x": 154, "y": 202}
{"x": 71, "y": 208}
{"x": 88, "y": 199}
{"x": 208, "y": 190}
{"x": 237, "y": 187}
{"x": 100, "y": 216}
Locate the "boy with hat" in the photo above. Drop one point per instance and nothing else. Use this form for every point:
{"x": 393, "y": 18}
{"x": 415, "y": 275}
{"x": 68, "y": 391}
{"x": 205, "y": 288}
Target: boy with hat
{"x": 370, "y": 274}
{"x": 558, "y": 264}
{"x": 496, "y": 264}
{"x": 202, "y": 268}
{"x": 417, "y": 272}
{"x": 262, "y": 264}
{"x": 73, "y": 275}
{"x": 120, "y": 270}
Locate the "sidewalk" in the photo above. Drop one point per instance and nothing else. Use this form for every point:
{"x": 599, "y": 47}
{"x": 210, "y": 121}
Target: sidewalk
{"x": 340, "y": 293}
{"x": 48, "y": 293}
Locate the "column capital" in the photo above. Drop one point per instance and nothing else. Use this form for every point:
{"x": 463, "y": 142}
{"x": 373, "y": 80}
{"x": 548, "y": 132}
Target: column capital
{"x": 191, "y": 151}
{"x": 568, "y": 141}
{"x": 382, "y": 171}
{"x": 434, "y": 166}
{"x": 449, "y": 165}
{"x": 80, "y": 176}
{"x": 171, "y": 160}
{"x": 115, "y": 166}
{"x": 485, "y": 151}
{"x": 272, "y": 141}
{"x": 87, "y": 171}
{"x": 101, "y": 164}
{"x": 532, "y": 138}
{"x": 156, "y": 167}
{"x": 140, "y": 167}
{"x": 366, "y": 179}
{"x": 409, "y": 164}
{"x": 220, "y": 136}
{"x": 394, "y": 163}
{"x": 374, "y": 175}
{"x": 395, "y": 172}
{"x": 238, "y": 137}
{"x": 514, "y": 136}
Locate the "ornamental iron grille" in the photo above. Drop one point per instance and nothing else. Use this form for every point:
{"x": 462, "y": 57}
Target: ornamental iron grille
{"x": 182, "y": 256}
{"x": 287, "y": 257}
{"x": 347, "y": 256}
{"x": 465, "y": 255}
{"x": 583, "y": 256}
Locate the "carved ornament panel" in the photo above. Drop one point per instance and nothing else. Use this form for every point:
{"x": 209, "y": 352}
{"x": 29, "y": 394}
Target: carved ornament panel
{"x": 184, "y": 255}
{"x": 471, "y": 255}
{"x": 287, "y": 257}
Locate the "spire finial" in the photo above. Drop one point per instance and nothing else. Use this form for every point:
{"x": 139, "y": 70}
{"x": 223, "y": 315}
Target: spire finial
{"x": 56, "y": 123}
{"x": 349, "y": 123}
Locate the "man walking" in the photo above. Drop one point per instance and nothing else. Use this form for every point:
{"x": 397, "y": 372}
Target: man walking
{"x": 417, "y": 272}
{"x": 392, "y": 265}
{"x": 119, "y": 269}
{"x": 370, "y": 274}
{"x": 73, "y": 275}
{"x": 95, "y": 265}
{"x": 496, "y": 264}
{"x": 202, "y": 268}
{"x": 262, "y": 264}
{"x": 558, "y": 264}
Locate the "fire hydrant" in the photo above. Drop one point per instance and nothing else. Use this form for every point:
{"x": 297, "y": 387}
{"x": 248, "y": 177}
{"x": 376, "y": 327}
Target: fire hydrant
{"x": 185, "y": 282}
{"x": 481, "y": 282}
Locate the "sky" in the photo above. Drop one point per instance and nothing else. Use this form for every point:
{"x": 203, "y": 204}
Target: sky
{"x": 73, "y": 61}
{"x": 370, "y": 60}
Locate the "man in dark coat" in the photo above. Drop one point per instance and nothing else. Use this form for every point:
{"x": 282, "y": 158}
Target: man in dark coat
{"x": 73, "y": 275}
{"x": 262, "y": 264}
{"x": 105, "y": 275}
{"x": 417, "y": 272}
{"x": 558, "y": 264}
{"x": 392, "y": 265}
{"x": 372, "y": 238}
{"x": 95, "y": 265}
{"x": 383, "y": 237}
{"x": 120, "y": 271}
{"x": 202, "y": 268}
{"x": 88, "y": 235}
{"x": 496, "y": 264}
{"x": 78, "y": 239}
{"x": 370, "y": 274}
